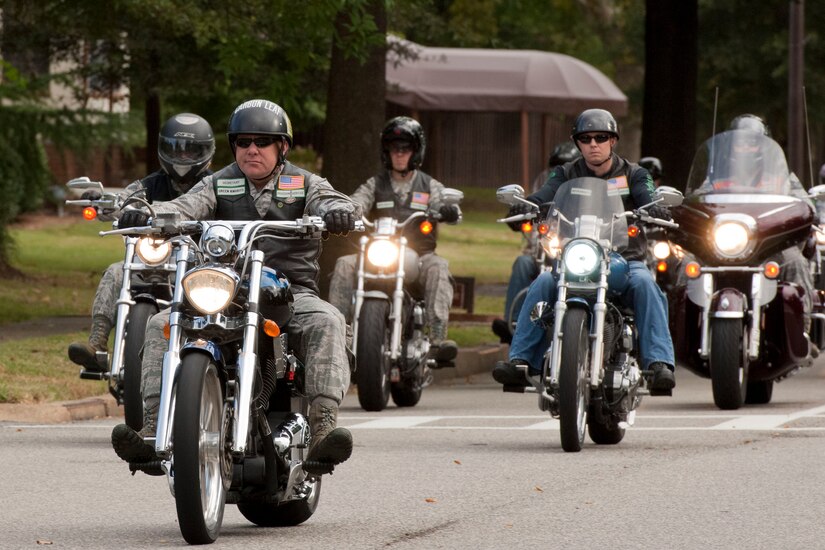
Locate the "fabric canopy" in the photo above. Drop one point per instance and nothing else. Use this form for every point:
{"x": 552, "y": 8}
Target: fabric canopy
{"x": 473, "y": 79}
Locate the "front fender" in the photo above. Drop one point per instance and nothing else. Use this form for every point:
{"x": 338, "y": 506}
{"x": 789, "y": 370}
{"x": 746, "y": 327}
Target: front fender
{"x": 202, "y": 346}
{"x": 728, "y": 303}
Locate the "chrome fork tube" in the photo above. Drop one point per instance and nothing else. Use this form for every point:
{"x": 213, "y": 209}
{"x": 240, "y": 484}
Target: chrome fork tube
{"x": 359, "y": 293}
{"x": 124, "y": 303}
{"x": 171, "y": 359}
{"x": 597, "y": 329}
{"x": 707, "y": 290}
{"x": 398, "y": 301}
{"x": 248, "y": 358}
{"x": 559, "y": 310}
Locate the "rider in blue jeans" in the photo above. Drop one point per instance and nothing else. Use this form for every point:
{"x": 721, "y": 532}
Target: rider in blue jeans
{"x": 595, "y": 132}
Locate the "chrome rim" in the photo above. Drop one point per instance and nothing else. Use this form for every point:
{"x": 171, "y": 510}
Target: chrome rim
{"x": 210, "y": 449}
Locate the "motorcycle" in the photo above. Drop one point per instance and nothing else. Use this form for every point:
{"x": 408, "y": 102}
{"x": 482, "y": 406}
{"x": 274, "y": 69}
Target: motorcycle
{"x": 232, "y": 421}
{"x": 733, "y": 321}
{"x": 590, "y": 378}
{"x": 145, "y": 290}
{"x": 391, "y": 345}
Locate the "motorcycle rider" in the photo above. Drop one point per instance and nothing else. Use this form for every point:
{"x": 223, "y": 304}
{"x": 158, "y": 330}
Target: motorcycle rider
{"x": 524, "y": 267}
{"x": 262, "y": 184}
{"x": 654, "y": 166}
{"x": 186, "y": 146}
{"x": 399, "y": 191}
{"x": 595, "y": 131}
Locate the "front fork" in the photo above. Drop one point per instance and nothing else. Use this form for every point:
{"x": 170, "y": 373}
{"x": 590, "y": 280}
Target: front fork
{"x": 124, "y": 303}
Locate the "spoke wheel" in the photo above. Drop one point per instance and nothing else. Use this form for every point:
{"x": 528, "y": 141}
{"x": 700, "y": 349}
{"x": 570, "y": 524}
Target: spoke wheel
{"x": 199, "y": 458}
{"x": 574, "y": 385}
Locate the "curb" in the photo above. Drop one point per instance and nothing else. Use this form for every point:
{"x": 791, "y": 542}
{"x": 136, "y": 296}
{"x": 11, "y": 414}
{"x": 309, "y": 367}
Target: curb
{"x": 470, "y": 361}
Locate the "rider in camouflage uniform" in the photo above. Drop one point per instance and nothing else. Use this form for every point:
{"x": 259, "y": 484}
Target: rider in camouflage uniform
{"x": 400, "y": 191}
{"x": 262, "y": 184}
{"x": 186, "y": 146}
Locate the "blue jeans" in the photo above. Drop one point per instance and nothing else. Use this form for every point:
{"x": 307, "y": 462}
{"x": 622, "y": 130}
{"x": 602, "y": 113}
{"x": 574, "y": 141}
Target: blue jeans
{"x": 524, "y": 271}
{"x": 649, "y": 305}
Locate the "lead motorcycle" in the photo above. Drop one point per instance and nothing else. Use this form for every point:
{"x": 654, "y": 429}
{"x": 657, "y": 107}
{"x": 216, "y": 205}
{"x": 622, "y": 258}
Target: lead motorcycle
{"x": 391, "y": 343}
{"x": 232, "y": 422}
{"x": 733, "y": 320}
{"x": 590, "y": 378}
{"x": 148, "y": 274}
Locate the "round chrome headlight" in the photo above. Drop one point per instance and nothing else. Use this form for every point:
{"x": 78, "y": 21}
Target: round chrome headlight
{"x": 152, "y": 250}
{"x": 382, "y": 253}
{"x": 218, "y": 241}
{"x": 581, "y": 258}
{"x": 731, "y": 238}
{"x": 661, "y": 250}
{"x": 210, "y": 289}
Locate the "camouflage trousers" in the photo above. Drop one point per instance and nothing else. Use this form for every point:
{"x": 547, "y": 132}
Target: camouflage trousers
{"x": 796, "y": 269}
{"x": 434, "y": 277}
{"x": 317, "y": 334}
{"x": 108, "y": 289}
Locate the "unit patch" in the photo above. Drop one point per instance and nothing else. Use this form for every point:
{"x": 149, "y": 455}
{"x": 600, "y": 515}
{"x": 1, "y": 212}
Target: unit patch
{"x": 230, "y": 187}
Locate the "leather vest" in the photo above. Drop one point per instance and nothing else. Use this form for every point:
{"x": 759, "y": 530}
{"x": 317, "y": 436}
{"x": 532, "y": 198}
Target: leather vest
{"x": 387, "y": 203}
{"x": 297, "y": 258}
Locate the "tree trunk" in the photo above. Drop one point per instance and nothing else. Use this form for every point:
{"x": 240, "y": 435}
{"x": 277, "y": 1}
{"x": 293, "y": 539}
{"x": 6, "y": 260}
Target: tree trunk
{"x": 671, "y": 69}
{"x": 355, "y": 116}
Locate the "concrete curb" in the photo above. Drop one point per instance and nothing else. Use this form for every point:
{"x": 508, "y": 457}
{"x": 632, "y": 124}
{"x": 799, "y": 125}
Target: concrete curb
{"x": 470, "y": 361}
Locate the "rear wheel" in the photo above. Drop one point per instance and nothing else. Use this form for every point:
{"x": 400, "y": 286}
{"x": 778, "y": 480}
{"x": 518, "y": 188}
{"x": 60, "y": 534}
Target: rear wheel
{"x": 293, "y": 512}
{"x": 759, "y": 393}
{"x": 139, "y": 315}
{"x": 199, "y": 459}
{"x": 372, "y": 371}
{"x": 728, "y": 363}
{"x": 608, "y": 433}
{"x": 574, "y": 385}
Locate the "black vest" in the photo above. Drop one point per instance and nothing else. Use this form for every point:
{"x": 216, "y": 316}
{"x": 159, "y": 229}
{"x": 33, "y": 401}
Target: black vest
{"x": 297, "y": 258}
{"x": 387, "y": 203}
{"x": 159, "y": 186}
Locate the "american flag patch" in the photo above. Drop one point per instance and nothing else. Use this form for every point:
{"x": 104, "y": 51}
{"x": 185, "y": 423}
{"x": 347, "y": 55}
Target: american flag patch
{"x": 421, "y": 198}
{"x": 291, "y": 182}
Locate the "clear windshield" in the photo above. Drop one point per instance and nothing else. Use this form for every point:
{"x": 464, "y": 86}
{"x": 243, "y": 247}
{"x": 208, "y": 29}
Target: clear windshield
{"x": 741, "y": 161}
{"x": 588, "y": 206}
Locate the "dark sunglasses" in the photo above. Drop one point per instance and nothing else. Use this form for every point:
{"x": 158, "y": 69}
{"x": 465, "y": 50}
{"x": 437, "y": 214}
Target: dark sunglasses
{"x": 260, "y": 142}
{"x": 600, "y": 138}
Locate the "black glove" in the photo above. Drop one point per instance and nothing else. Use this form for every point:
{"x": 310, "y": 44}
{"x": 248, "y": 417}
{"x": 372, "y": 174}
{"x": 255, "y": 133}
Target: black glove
{"x": 339, "y": 222}
{"x": 516, "y": 210}
{"x": 659, "y": 211}
{"x": 449, "y": 214}
{"x": 133, "y": 218}
{"x": 91, "y": 195}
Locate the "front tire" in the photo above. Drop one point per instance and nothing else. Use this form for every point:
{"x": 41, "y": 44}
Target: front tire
{"x": 574, "y": 385}
{"x": 199, "y": 459}
{"x": 139, "y": 315}
{"x": 728, "y": 363}
{"x": 372, "y": 371}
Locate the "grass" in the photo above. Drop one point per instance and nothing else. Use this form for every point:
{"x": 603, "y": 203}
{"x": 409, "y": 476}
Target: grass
{"x": 62, "y": 260}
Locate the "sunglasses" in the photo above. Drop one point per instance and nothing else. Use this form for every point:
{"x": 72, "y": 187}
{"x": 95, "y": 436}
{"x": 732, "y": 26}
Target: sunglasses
{"x": 260, "y": 142}
{"x": 400, "y": 148}
{"x": 600, "y": 138}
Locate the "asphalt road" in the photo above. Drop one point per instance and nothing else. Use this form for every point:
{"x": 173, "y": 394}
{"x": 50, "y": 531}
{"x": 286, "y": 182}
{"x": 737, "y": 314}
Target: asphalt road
{"x": 471, "y": 467}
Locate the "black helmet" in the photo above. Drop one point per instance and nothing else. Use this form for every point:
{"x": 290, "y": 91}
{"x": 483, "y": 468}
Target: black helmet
{"x": 403, "y": 128}
{"x": 653, "y": 165}
{"x": 563, "y": 153}
{"x": 750, "y": 122}
{"x": 261, "y": 117}
{"x": 595, "y": 120}
{"x": 186, "y": 146}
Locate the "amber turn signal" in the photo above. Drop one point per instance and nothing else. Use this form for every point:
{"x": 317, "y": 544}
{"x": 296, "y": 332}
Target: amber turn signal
{"x": 544, "y": 229}
{"x": 771, "y": 270}
{"x": 632, "y": 230}
{"x": 167, "y": 330}
{"x": 272, "y": 329}
{"x": 693, "y": 270}
{"x": 661, "y": 266}
{"x": 89, "y": 213}
{"x": 426, "y": 227}
{"x": 526, "y": 227}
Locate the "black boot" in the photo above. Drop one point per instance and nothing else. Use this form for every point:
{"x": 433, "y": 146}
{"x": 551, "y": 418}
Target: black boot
{"x": 330, "y": 445}
{"x": 502, "y": 329}
{"x": 129, "y": 445}
{"x": 663, "y": 380}
{"x": 508, "y": 373}
{"x": 85, "y": 354}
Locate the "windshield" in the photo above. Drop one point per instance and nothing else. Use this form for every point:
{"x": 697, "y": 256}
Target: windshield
{"x": 588, "y": 204}
{"x": 741, "y": 161}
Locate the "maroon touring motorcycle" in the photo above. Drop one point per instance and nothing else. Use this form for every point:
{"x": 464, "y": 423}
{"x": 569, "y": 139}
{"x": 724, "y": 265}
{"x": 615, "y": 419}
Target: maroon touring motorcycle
{"x": 733, "y": 320}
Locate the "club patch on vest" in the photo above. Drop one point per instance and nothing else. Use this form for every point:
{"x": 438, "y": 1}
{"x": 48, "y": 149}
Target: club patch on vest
{"x": 617, "y": 186}
{"x": 230, "y": 187}
{"x": 290, "y": 188}
{"x": 419, "y": 200}
{"x": 384, "y": 204}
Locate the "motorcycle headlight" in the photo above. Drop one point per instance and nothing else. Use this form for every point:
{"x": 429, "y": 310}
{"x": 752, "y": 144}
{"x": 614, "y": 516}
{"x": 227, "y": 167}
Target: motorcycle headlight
{"x": 581, "y": 258}
{"x": 153, "y": 251}
{"x": 382, "y": 253}
{"x": 731, "y": 239}
{"x": 218, "y": 241}
{"x": 210, "y": 289}
{"x": 661, "y": 250}
{"x": 550, "y": 244}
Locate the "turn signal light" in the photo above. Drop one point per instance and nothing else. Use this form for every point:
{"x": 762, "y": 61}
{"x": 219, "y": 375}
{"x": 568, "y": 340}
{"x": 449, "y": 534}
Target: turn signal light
{"x": 89, "y": 213}
{"x": 544, "y": 229}
{"x": 272, "y": 329}
{"x": 632, "y": 230}
{"x": 526, "y": 227}
{"x": 661, "y": 266}
{"x": 167, "y": 330}
{"x": 693, "y": 270}
{"x": 426, "y": 227}
{"x": 771, "y": 270}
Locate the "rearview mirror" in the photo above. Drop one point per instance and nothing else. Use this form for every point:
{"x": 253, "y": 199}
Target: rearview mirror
{"x": 510, "y": 194}
{"x": 668, "y": 196}
{"x": 817, "y": 192}
{"x": 84, "y": 183}
{"x": 450, "y": 196}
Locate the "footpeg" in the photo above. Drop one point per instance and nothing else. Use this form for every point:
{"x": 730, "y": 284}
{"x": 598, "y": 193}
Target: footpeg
{"x": 514, "y": 389}
{"x": 88, "y": 375}
{"x": 152, "y": 468}
{"x": 317, "y": 467}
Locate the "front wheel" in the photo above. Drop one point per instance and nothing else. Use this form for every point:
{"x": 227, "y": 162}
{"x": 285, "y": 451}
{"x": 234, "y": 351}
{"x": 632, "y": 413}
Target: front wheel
{"x": 198, "y": 441}
{"x": 574, "y": 385}
{"x": 372, "y": 362}
{"x": 139, "y": 315}
{"x": 728, "y": 363}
